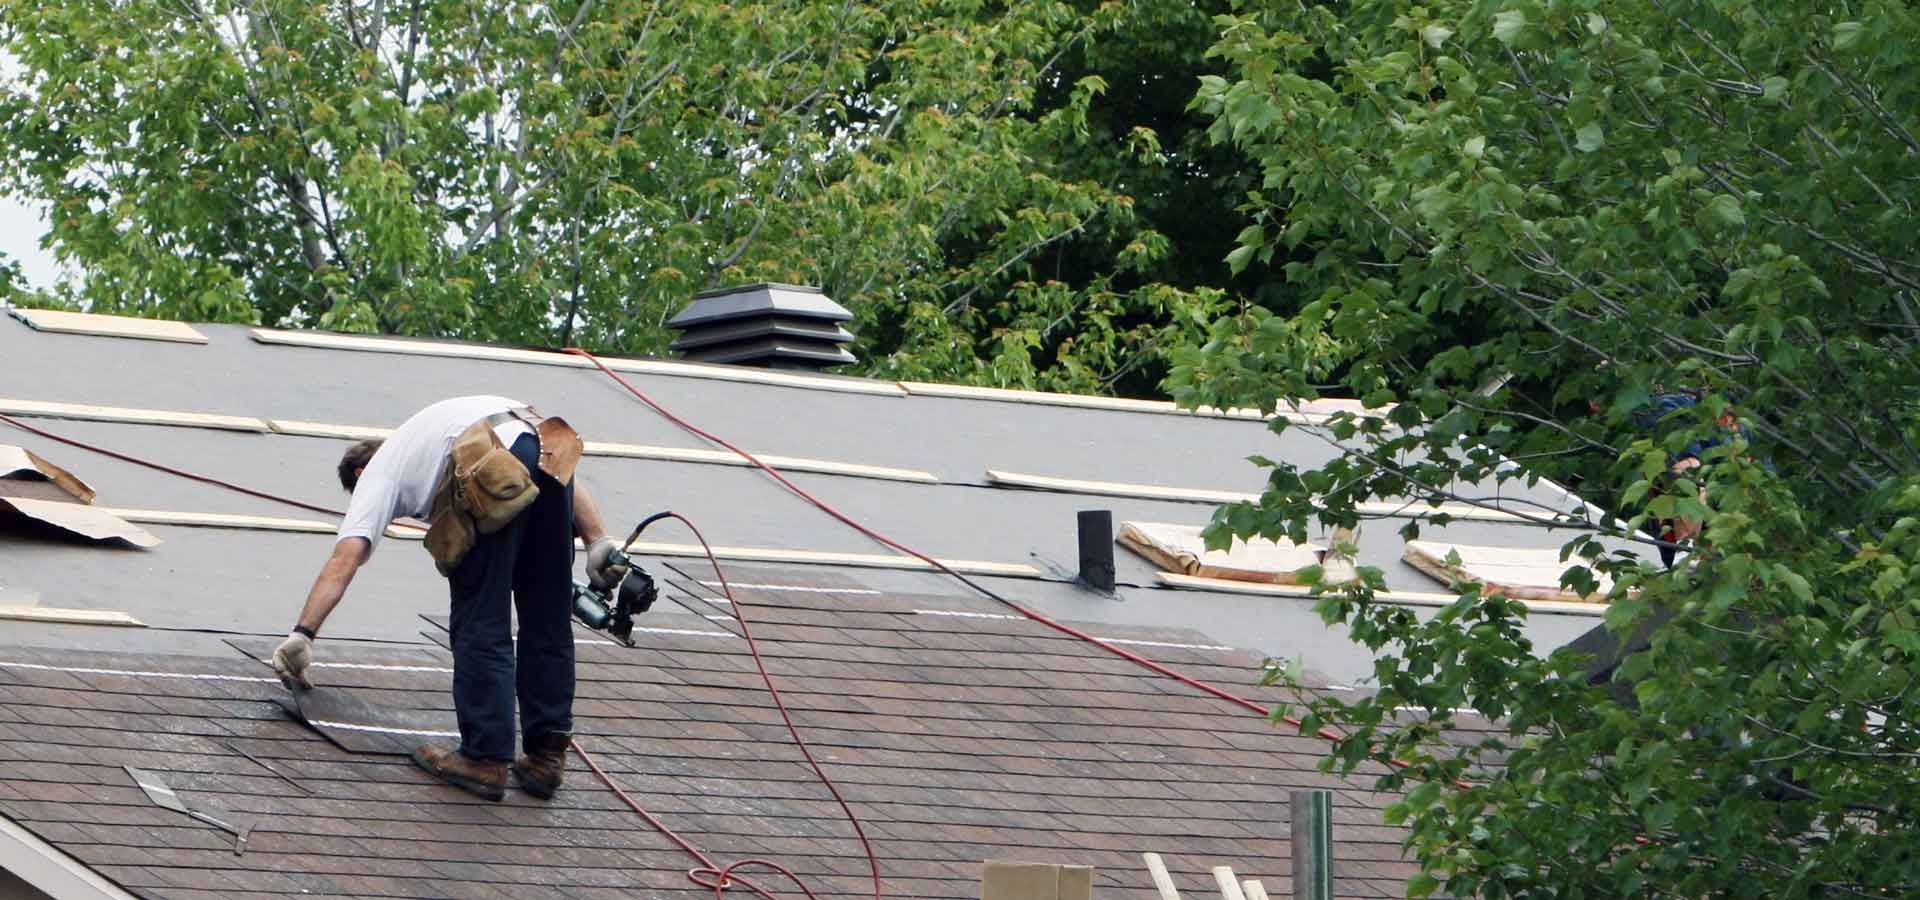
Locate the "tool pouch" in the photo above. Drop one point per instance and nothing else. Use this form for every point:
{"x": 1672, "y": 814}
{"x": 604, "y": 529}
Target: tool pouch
{"x": 560, "y": 448}
{"x": 482, "y": 488}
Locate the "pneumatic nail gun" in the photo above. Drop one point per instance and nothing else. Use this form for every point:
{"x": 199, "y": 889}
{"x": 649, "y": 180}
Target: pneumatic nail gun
{"x": 634, "y": 595}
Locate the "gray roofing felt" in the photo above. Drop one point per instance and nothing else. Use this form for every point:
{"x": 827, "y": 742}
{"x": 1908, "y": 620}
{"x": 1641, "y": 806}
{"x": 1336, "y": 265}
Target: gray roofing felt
{"x": 251, "y": 582}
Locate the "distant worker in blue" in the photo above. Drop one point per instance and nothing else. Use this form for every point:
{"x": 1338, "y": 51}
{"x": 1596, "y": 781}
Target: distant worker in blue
{"x": 494, "y": 481}
{"x": 1686, "y": 463}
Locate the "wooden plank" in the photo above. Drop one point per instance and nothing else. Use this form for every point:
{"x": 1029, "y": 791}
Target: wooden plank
{"x": 737, "y": 554}
{"x": 59, "y": 616}
{"x": 1003, "y": 478}
{"x": 223, "y": 520}
{"x": 1395, "y": 508}
{"x": 784, "y": 463}
{"x": 1398, "y": 598}
{"x": 645, "y": 451}
{"x": 324, "y": 341}
{"x": 324, "y": 430}
{"x": 1229, "y": 885}
{"x": 63, "y": 322}
{"x": 1254, "y": 889}
{"x": 129, "y": 416}
{"x": 1090, "y": 401}
{"x": 1162, "y": 881}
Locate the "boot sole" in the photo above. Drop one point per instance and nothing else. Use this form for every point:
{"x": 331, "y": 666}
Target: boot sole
{"x": 483, "y": 790}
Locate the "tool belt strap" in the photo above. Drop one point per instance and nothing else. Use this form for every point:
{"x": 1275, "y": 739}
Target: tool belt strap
{"x": 483, "y": 485}
{"x": 560, "y": 446}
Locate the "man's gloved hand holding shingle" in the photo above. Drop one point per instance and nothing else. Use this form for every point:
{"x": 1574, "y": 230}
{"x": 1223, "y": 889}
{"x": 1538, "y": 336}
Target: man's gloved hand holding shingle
{"x": 291, "y": 660}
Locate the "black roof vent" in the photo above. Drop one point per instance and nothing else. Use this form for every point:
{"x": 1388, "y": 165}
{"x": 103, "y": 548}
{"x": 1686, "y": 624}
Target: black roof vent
{"x": 775, "y": 326}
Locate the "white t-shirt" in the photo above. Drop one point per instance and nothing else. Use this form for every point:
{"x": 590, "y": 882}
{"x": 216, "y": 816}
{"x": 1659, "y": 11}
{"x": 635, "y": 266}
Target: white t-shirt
{"x": 400, "y": 478}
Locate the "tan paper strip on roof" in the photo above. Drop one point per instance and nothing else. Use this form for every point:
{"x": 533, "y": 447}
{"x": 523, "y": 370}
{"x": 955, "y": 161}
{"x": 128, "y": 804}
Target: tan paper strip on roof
{"x": 647, "y": 451}
{"x": 1518, "y": 573}
{"x": 1003, "y": 478}
{"x": 1402, "y": 598}
{"x": 129, "y": 416}
{"x": 62, "y": 322}
{"x": 1090, "y": 401}
{"x": 788, "y": 463}
{"x": 20, "y": 463}
{"x": 90, "y": 522}
{"x": 539, "y": 357}
{"x": 70, "y": 616}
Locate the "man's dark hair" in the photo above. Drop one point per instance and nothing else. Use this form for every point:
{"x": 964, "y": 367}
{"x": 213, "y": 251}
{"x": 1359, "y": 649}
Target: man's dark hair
{"x": 353, "y": 461}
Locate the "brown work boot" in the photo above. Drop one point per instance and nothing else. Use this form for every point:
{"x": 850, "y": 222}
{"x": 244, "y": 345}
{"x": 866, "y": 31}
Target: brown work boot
{"x": 482, "y": 778}
{"x": 539, "y": 770}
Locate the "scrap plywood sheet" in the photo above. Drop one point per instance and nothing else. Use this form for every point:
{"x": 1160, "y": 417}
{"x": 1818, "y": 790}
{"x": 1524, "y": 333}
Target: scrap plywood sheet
{"x": 79, "y": 520}
{"x": 1180, "y": 548}
{"x": 109, "y": 326}
{"x": 1518, "y": 573}
{"x": 22, "y": 472}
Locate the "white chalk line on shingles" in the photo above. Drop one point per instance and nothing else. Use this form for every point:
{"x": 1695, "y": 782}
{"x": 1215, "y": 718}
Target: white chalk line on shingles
{"x": 84, "y": 670}
{"x": 382, "y": 729}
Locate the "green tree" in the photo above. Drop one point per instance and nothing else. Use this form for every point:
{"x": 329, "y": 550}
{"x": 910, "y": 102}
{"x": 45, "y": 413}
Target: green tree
{"x": 541, "y": 173}
{"x": 1518, "y": 221}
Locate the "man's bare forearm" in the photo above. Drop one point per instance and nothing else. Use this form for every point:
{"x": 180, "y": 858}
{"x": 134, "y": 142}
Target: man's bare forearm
{"x": 331, "y": 584}
{"x": 587, "y": 524}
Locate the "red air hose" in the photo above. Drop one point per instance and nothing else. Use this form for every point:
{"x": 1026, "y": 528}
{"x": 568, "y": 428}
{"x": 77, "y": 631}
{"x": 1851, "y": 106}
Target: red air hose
{"x": 850, "y": 522}
{"x": 722, "y": 876}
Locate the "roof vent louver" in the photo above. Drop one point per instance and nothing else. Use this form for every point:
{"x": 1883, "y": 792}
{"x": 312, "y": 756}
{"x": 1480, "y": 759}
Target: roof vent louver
{"x": 774, "y": 326}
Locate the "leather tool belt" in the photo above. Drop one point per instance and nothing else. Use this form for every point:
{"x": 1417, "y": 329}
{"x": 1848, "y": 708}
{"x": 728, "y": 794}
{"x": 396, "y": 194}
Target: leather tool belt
{"x": 483, "y": 485}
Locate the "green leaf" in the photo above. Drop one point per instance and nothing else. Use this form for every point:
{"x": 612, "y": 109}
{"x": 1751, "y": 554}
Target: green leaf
{"x": 1507, "y": 25}
{"x": 1847, "y": 34}
{"x": 1724, "y": 210}
{"x": 1590, "y": 137}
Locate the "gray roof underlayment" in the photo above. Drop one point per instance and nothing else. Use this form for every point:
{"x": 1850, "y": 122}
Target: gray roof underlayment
{"x": 207, "y": 582}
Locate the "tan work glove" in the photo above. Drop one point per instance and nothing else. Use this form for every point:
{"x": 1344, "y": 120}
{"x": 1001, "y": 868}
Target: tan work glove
{"x": 291, "y": 660}
{"x": 602, "y": 572}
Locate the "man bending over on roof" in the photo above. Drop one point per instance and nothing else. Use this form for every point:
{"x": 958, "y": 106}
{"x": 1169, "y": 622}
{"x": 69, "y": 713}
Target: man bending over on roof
{"x": 494, "y": 480}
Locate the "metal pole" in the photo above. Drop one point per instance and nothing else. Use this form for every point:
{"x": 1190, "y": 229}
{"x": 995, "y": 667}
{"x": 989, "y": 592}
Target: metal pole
{"x": 1312, "y": 845}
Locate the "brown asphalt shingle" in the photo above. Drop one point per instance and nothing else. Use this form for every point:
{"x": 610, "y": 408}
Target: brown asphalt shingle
{"x": 955, "y": 739}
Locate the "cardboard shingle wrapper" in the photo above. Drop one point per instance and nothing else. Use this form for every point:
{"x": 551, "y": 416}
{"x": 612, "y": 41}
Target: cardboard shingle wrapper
{"x": 1003, "y": 879}
{"x": 1180, "y": 548}
{"x": 34, "y": 489}
{"x": 1519, "y": 574}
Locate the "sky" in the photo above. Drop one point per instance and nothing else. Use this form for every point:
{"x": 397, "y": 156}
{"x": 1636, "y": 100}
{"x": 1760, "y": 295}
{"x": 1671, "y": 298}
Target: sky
{"x": 21, "y": 225}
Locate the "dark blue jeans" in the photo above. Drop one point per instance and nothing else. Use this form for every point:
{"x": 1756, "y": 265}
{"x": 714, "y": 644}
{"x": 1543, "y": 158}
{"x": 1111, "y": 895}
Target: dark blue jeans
{"x": 531, "y": 560}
